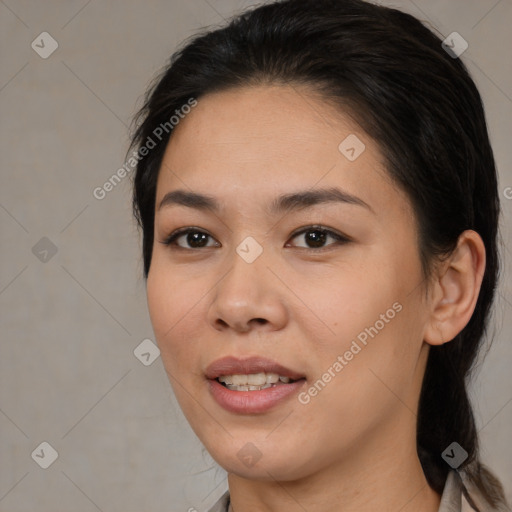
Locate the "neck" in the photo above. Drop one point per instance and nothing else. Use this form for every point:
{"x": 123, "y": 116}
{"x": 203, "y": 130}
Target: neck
{"x": 382, "y": 475}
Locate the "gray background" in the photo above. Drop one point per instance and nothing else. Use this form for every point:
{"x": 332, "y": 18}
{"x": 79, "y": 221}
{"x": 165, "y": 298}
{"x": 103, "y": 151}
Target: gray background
{"x": 70, "y": 324}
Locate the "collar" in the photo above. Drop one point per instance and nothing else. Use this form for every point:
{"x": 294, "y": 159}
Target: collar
{"x": 452, "y": 499}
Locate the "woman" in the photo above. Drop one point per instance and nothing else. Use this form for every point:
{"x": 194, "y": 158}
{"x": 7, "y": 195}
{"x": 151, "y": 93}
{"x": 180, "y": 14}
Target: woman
{"x": 318, "y": 200}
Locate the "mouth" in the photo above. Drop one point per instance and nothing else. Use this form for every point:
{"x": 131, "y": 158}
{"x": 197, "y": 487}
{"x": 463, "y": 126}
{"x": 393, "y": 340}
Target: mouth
{"x": 253, "y": 381}
{"x": 252, "y": 371}
{"x": 252, "y": 385}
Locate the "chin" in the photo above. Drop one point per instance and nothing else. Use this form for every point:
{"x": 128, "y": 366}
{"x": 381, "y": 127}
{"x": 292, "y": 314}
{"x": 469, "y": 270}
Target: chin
{"x": 247, "y": 463}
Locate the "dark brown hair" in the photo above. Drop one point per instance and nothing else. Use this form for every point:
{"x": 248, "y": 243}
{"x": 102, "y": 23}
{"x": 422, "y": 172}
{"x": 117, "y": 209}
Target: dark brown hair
{"x": 392, "y": 74}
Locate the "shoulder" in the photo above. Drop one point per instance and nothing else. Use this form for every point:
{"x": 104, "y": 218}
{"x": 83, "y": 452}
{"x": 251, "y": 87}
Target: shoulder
{"x": 221, "y": 505}
{"x": 460, "y": 495}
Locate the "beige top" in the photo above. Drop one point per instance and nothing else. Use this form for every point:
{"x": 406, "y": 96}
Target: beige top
{"x": 452, "y": 500}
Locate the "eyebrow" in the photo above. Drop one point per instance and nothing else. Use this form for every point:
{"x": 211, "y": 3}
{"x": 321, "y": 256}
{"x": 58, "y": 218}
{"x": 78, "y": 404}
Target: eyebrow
{"x": 293, "y": 201}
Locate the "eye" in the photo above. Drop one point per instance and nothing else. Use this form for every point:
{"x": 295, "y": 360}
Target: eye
{"x": 316, "y": 236}
{"x": 195, "y": 238}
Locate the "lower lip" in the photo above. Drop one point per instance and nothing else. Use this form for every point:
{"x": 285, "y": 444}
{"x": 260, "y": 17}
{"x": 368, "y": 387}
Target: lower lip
{"x": 252, "y": 402}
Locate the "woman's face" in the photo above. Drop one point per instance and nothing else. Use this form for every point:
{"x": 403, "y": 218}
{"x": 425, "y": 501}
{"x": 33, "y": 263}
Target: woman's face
{"x": 340, "y": 311}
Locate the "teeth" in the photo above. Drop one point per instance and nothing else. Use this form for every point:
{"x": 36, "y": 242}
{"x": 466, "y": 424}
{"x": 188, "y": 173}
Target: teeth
{"x": 253, "y": 380}
{"x": 272, "y": 378}
{"x": 233, "y": 387}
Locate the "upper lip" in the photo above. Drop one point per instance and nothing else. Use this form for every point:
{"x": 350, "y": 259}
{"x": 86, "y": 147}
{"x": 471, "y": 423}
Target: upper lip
{"x": 234, "y": 366}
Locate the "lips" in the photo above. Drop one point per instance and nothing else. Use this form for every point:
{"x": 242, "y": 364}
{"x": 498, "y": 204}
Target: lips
{"x": 235, "y": 366}
{"x": 238, "y": 400}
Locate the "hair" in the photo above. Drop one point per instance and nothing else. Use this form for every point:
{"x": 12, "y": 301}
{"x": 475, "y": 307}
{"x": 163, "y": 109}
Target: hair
{"x": 391, "y": 74}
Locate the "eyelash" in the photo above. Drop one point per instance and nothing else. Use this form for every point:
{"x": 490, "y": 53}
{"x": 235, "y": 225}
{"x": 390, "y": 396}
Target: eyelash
{"x": 340, "y": 239}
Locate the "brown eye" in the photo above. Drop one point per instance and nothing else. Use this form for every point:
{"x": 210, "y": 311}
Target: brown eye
{"x": 193, "y": 239}
{"x": 316, "y": 237}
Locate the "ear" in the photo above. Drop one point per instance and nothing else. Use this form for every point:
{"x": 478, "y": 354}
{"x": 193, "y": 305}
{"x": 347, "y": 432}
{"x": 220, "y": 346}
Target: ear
{"x": 456, "y": 289}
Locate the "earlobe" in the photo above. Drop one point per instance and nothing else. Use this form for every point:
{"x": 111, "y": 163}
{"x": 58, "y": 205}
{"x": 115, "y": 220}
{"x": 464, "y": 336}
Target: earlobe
{"x": 457, "y": 287}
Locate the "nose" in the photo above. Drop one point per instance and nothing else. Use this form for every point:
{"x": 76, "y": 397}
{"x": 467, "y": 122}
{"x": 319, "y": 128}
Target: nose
{"x": 249, "y": 297}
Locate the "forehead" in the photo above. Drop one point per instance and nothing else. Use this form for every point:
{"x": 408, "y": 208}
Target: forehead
{"x": 260, "y": 141}
{"x": 265, "y": 123}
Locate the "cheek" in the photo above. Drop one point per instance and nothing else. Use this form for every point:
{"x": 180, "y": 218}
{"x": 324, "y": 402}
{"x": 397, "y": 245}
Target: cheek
{"x": 375, "y": 325}
{"x": 375, "y": 363}
{"x": 348, "y": 299}
{"x": 175, "y": 317}
{"x": 372, "y": 383}
{"x": 174, "y": 308}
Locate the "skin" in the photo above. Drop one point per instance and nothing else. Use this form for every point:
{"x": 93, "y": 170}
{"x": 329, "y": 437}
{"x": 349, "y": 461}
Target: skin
{"x": 353, "y": 446}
